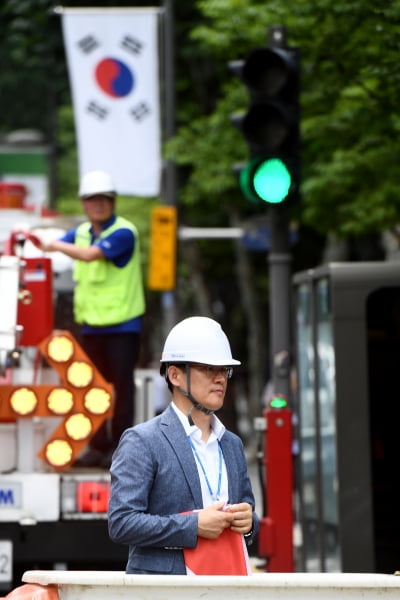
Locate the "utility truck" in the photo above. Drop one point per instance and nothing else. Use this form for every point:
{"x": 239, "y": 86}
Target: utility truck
{"x": 52, "y": 400}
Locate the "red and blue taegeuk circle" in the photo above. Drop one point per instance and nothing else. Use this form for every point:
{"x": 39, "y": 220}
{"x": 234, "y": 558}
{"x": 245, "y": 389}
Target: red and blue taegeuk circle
{"x": 114, "y": 77}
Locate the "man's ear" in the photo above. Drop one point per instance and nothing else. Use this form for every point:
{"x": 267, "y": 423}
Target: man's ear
{"x": 174, "y": 375}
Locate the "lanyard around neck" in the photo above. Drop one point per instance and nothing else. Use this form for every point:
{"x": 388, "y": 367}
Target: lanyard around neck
{"x": 214, "y": 496}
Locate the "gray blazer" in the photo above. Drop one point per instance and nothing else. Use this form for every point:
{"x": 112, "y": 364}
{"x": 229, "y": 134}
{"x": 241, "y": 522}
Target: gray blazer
{"x": 154, "y": 479}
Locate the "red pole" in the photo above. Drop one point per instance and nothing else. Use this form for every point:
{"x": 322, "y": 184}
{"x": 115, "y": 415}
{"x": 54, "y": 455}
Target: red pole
{"x": 276, "y": 531}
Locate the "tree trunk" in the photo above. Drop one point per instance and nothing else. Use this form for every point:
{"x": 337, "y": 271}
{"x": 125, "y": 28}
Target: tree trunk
{"x": 256, "y": 328}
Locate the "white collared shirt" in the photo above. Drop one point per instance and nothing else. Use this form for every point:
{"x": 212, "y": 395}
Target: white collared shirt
{"x": 208, "y": 454}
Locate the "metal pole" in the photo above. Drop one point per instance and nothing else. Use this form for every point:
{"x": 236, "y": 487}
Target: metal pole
{"x": 168, "y": 301}
{"x": 170, "y": 186}
{"x": 278, "y": 463}
{"x": 279, "y": 274}
{"x": 280, "y": 314}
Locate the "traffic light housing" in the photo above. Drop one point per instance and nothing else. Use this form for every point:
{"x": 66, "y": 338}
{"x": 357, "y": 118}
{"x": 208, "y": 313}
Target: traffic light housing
{"x": 271, "y": 125}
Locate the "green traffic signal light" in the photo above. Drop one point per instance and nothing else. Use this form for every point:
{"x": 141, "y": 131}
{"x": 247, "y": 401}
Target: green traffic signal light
{"x": 278, "y": 402}
{"x": 266, "y": 179}
{"x": 272, "y": 181}
{"x": 271, "y": 124}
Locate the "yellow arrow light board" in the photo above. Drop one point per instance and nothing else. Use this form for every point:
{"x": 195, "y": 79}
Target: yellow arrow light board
{"x": 84, "y": 400}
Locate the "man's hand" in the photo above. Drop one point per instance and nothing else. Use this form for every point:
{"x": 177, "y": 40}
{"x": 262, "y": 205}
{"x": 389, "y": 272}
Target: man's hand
{"x": 22, "y": 236}
{"x": 242, "y": 517}
{"x": 213, "y": 520}
{"x": 36, "y": 240}
{"x": 86, "y": 254}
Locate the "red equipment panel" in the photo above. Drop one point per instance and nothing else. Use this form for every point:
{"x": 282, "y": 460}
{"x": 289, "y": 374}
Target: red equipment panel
{"x": 92, "y": 496}
{"x": 275, "y": 540}
{"x": 35, "y": 308}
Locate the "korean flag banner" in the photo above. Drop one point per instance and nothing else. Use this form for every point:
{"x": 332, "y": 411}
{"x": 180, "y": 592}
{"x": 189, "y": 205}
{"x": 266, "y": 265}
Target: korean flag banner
{"x": 112, "y": 57}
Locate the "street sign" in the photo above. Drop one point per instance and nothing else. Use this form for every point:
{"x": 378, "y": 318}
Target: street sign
{"x": 162, "y": 262}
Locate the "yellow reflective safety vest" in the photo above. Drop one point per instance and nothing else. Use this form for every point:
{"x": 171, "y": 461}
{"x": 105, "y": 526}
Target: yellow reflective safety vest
{"x": 106, "y": 294}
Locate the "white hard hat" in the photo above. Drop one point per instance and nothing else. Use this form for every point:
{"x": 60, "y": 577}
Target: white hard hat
{"x": 96, "y": 182}
{"x": 199, "y": 340}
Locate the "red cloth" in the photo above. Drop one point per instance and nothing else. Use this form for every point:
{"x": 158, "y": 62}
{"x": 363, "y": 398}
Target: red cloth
{"x": 33, "y": 591}
{"x": 225, "y": 555}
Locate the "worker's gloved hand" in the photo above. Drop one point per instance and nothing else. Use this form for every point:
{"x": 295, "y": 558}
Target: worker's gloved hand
{"x": 41, "y": 238}
{"x": 36, "y": 241}
{"x": 20, "y": 236}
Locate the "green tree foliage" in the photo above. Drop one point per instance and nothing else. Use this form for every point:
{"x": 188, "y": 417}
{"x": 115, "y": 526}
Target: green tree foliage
{"x": 350, "y": 119}
{"x": 350, "y": 91}
{"x": 30, "y": 73}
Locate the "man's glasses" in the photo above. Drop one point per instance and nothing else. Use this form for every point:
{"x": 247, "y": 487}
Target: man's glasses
{"x": 212, "y": 370}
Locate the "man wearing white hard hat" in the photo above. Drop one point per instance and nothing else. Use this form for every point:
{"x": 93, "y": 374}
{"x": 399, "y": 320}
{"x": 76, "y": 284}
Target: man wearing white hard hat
{"x": 181, "y": 496}
{"x": 108, "y": 301}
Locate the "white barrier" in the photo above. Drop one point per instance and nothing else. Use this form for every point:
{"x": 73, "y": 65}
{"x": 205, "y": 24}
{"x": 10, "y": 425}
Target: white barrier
{"x": 109, "y": 585}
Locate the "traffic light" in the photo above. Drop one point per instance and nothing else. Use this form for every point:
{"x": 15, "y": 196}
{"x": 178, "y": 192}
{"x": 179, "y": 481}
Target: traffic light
{"x": 271, "y": 124}
{"x": 278, "y": 401}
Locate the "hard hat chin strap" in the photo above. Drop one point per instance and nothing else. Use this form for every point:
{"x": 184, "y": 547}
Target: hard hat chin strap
{"x": 188, "y": 395}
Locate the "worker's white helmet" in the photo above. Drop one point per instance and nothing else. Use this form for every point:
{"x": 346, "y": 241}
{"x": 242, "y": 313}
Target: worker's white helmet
{"x": 198, "y": 340}
{"x": 96, "y": 182}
